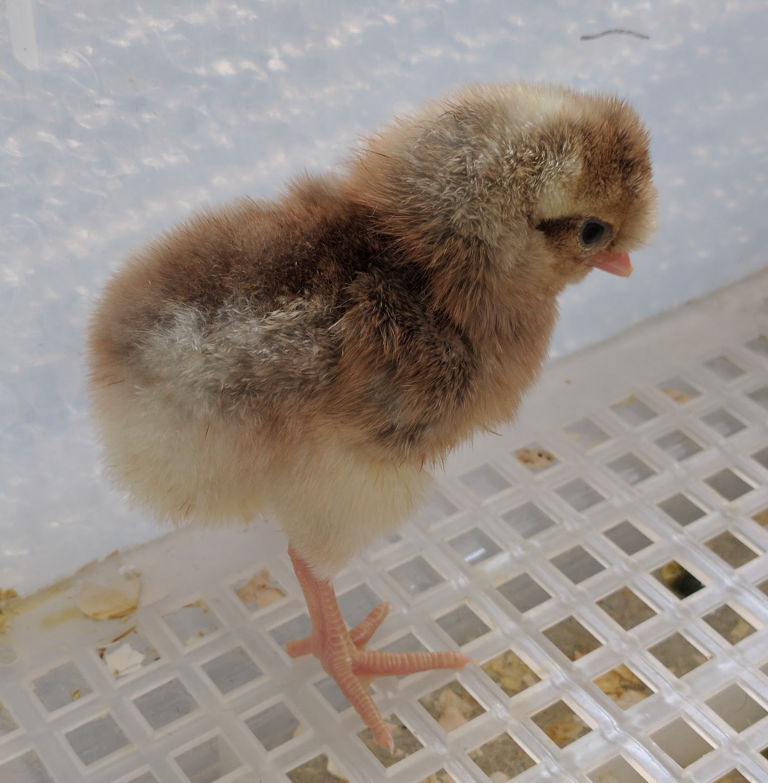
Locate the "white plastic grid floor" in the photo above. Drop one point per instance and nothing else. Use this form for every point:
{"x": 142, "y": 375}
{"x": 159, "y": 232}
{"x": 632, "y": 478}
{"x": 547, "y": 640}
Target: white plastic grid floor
{"x": 604, "y": 561}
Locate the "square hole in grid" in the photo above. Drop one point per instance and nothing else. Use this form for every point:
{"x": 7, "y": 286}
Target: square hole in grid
{"x": 441, "y": 776}
{"x": 734, "y": 776}
{"x": 405, "y": 742}
{"x": 192, "y": 622}
{"x": 627, "y": 537}
{"x": 319, "y": 769}
{"x": 763, "y": 586}
{"x": 572, "y": 638}
{"x": 617, "y": 770}
{"x": 209, "y": 761}
{"x": 146, "y": 777}
{"x": 623, "y": 686}
{"x": 165, "y": 704}
{"x": 626, "y": 608}
{"x": 416, "y": 576}
{"x": 761, "y": 517}
{"x": 463, "y": 625}
{"x": 357, "y": 603}
{"x": 724, "y": 368}
{"x": 528, "y": 520}
{"x": 728, "y": 484}
{"x": 535, "y": 457}
{"x": 129, "y": 652}
{"x": 731, "y": 549}
{"x": 484, "y": 481}
{"x": 275, "y": 725}
{"x": 761, "y": 457}
{"x": 561, "y": 723}
{"x": 677, "y": 654}
{"x": 723, "y": 422}
{"x": 296, "y": 628}
{"x": 679, "y": 390}
{"x": 681, "y": 742}
{"x": 474, "y": 546}
{"x": 759, "y": 396}
{"x": 737, "y": 708}
{"x": 259, "y": 592}
{"x": 759, "y": 345}
{"x": 577, "y": 564}
{"x": 579, "y": 495}
{"x": 26, "y": 768}
{"x": 501, "y": 758}
{"x": 97, "y": 739}
{"x": 232, "y": 670}
{"x": 586, "y": 433}
{"x": 677, "y": 579}
{"x": 7, "y": 723}
{"x": 633, "y": 411}
{"x": 523, "y": 592}
{"x": 510, "y": 672}
{"x": 60, "y": 686}
{"x": 682, "y": 509}
{"x": 452, "y": 705}
{"x": 729, "y": 624}
{"x": 677, "y": 445}
{"x": 631, "y": 468}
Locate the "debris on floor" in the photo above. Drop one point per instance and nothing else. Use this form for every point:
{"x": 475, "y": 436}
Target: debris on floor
{"x": 259, "y": 590}
{"x": 501, "y": 758}
{"x": 320, "y": 769}
{"x": 452, "y": 705}
{"x": 6, "y": 597}
{"x": 405, "y": 743}
{"x": 623, "y": 686}
{"x": 102, "y": 602}
{"x": 123, "y": 660}
{"x": 535, "y": 459}
{"x": 510, "y": 673}
{"x": 561, "y": 724}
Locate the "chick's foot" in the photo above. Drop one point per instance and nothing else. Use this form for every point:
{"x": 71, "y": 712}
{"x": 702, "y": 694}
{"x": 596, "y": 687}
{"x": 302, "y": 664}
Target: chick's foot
{"x": 342, "y": 652}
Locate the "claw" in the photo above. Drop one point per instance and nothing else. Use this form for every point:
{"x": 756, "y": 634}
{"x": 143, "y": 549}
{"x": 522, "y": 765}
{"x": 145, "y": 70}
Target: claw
{"x": 343, "y": 655}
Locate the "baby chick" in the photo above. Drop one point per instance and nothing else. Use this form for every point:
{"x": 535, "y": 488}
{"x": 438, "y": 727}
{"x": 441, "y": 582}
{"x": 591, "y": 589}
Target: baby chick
{"x": 311, "y": 357}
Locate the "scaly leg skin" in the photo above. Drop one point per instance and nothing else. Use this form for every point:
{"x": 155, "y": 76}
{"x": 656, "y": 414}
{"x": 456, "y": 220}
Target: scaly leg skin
{"x": 343, "y": 655}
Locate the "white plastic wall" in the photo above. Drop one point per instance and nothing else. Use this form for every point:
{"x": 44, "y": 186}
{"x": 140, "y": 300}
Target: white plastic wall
{"x": 120, "y": 118}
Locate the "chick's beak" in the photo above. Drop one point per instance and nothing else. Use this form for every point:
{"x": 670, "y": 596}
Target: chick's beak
{"x": 615, "y": 263}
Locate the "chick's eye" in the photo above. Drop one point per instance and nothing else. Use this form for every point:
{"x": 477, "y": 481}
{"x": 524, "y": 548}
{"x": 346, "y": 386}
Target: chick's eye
{"x": 592, "y": 231}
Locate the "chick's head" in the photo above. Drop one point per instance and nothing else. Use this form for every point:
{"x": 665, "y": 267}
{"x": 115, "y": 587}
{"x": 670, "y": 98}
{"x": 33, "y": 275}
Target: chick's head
{"x": 551, "y": 181}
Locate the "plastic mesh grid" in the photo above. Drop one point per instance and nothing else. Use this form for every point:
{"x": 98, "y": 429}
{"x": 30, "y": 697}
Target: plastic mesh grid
{"x": 606, "y": 567}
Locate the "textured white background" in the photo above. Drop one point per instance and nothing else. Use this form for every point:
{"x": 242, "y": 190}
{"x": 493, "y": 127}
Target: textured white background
{"x": 119, "y": 118}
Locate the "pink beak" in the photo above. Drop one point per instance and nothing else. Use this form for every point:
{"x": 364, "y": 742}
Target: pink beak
{"x": 615, "y": 263}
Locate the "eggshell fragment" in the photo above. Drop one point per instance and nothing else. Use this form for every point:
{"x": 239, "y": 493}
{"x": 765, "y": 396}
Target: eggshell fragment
{"x": 106, "y": 603}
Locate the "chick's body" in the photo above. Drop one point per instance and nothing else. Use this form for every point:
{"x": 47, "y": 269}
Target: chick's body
{"x": 280, "y": 358}
{"x": 312, "y": 356}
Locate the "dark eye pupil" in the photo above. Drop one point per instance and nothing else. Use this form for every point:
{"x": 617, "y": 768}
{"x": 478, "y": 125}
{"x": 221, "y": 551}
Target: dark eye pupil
{"x": 592, "y": 231}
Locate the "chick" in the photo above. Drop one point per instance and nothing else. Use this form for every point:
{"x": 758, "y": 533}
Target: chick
{"x": 311, "y": 357}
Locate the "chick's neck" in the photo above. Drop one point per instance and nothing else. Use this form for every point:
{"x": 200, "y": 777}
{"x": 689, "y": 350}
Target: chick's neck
{"x": 506, "y": 306}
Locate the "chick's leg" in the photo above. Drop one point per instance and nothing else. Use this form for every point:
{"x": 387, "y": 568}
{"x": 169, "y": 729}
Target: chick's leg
{"x": 343, "y": 655}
